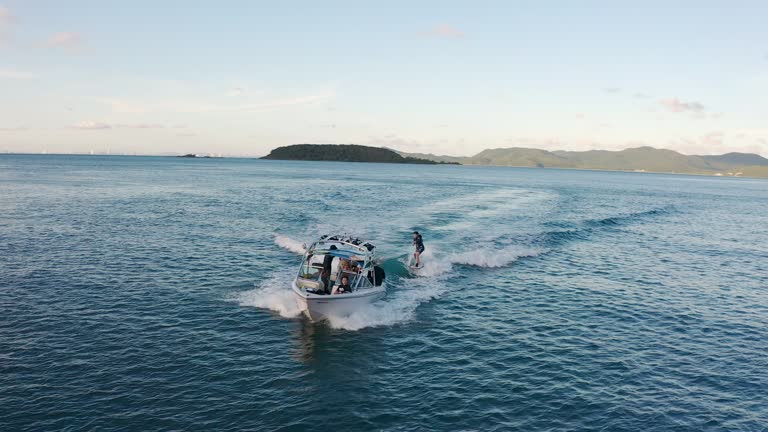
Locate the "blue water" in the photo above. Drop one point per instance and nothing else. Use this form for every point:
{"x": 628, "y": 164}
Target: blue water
{"x": 141, "y": 293}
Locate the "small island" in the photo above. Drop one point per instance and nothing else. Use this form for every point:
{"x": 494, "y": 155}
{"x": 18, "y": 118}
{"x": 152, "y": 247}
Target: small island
{"x": 345, "y": 153}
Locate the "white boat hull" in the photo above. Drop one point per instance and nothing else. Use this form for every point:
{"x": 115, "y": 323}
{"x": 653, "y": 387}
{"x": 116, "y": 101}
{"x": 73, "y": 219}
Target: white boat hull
{"x": 320, "y": 307}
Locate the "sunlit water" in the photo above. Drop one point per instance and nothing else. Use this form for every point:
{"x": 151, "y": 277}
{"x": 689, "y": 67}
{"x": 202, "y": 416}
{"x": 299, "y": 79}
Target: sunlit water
{"x": 153, "y": 294}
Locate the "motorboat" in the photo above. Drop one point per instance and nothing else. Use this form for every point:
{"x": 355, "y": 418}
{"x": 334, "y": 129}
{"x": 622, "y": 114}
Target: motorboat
{"x": 337, "y": 277}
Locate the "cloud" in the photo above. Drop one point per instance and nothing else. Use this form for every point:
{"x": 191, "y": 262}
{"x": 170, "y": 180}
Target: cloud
{"x": 612, "y": 90}
{"x": 720, "y": 142}
{"x": 237, "y": 91}
{"x": 141, "y": 126}
{"x": 443, "y": 31}
{"x": 91, "y": 125}
{"x": 641, "y": 95}
{"x": 96, "y": 125}
{"x": 6, "y": 73}
{"x": 713, "y": 139}
{"x": 6, "y": 21}
{"x": 65, "y": 40}
{"x": 136, "y": 107}
{"x": 675, "y": 105}
{"x": 395, "y": 142}
{"x": 13, "y": 129}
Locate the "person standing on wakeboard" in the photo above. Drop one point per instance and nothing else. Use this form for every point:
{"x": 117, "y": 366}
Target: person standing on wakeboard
{"x": 418, "y": 243}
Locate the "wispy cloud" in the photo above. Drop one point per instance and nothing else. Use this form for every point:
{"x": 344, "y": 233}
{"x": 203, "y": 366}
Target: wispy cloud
{"x": 713, "y": 139}
{"x": 676, "y": 105}
{"x": 65, "y": 40}
{"x": 91, "y": 125}
{"x": 6, "y": 21}
{"x": 394, "y": 141}
{"x": 139, "y": 107}
{"x": 7, "y": 73}
{"x": 443, "y": 31}
{"x": 612, "y": 90}
{"x": 97, "y": 125}
{"x": 236, "y": 91}
{"x": 141, "y": 126}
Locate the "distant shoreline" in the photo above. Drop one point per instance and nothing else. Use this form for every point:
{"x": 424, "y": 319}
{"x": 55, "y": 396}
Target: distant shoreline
{"x": 255, "y": 158}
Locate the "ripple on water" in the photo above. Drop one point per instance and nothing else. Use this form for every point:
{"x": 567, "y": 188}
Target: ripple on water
{"x": 153, "y": 293}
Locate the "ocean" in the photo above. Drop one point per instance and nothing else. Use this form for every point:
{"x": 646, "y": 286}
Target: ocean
{"x": 153, "y": 293}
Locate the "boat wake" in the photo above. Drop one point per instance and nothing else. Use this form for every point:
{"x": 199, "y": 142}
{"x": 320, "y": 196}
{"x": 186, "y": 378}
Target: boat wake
{"x": 494, "y": 258}
{"x": 398, "y": 307}
{"x": 407, "y": 294}
{"x": 488, "y": 257}
{"x": 290, "y": 244}
{"x": 273, "y": 294}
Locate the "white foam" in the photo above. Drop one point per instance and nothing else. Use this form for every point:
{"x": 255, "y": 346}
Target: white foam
{"x": 290, "y": 244}
{"x": 432, "y": 265}
{"x": 493, "y": 258}
{"x": 439, "y": 264}
{"x": 398, "y": 307}
{"x": 274, "y": 294}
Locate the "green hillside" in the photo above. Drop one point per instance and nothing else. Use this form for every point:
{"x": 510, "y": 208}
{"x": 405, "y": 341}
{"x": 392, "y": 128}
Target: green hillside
{"x": 738, "y": 159}
{"x": 633, "y": 159}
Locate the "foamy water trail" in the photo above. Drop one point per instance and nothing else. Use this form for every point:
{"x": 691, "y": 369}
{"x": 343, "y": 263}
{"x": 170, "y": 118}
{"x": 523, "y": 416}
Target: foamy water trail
{"x": 404, "y": 295}
{"x": 274, "y": 294}
{"x": 398, "y": 307}
{"x": 493, "y": 258}
{"x": 290, "y": 244}
{"x": 433, "y": 264}
{"x": 437, "y": 263}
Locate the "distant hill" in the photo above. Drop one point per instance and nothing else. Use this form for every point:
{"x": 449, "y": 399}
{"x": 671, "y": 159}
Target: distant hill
{"x": 633, "y": 159}
{"x": 436, "y": 158}
{"x": 343, "y": 153}
{"x": 738, "y": 159}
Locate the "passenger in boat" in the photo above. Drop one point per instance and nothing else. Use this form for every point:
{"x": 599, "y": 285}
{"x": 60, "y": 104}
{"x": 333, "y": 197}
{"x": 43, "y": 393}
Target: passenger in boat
{"x": 418, "y": 242}
{"x": 344, "y": 285}
{"x": 348, "y": 266}
{"x": 325, "y": 277}
{"x": 344, "y": 265}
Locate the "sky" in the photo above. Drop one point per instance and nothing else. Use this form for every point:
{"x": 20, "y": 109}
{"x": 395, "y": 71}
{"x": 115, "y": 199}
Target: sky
{"x": 446, "y": 77}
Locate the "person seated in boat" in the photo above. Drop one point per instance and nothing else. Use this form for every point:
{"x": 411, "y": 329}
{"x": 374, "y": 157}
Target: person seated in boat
{"x": 343, "y": 287}
{"x": 348, "y": 266}
{"x": 344, "y": 265}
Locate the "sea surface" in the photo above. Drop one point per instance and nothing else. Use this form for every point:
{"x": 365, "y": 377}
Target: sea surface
{"x": 152, "y": 293}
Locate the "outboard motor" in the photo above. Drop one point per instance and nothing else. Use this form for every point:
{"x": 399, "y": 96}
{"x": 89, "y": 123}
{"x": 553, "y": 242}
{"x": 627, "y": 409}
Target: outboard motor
{"x": 377, "y": 276}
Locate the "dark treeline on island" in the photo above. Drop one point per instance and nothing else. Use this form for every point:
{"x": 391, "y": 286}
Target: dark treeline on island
{"x": 345, "y": 153}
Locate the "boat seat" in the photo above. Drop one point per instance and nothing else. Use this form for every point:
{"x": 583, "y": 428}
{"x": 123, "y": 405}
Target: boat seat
{"x": 315, "y": 285}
